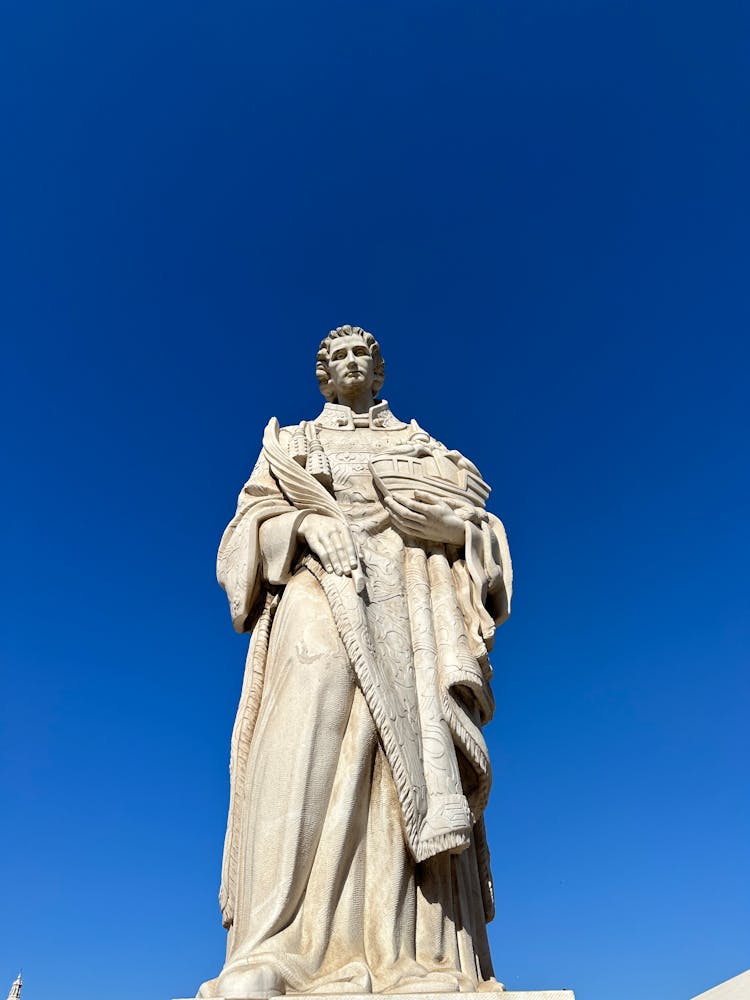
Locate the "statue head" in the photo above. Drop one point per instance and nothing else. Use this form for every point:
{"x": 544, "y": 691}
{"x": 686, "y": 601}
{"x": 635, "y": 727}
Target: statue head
{"x": 349, "y": 364}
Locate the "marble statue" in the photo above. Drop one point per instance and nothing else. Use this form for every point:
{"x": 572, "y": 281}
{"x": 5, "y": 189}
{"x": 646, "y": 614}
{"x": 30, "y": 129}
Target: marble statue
{"x": 372, "y": 578}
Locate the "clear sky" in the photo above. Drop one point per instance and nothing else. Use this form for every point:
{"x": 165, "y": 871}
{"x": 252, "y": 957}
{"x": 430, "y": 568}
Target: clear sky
{"x": 541, "y": 209}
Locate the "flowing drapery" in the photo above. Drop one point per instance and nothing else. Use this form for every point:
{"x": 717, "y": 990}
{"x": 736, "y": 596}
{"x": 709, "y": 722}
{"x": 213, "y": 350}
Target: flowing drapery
{"x": 359, "y": 771}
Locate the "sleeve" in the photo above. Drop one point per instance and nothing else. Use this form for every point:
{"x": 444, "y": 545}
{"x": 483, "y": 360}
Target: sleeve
{"x": 258, "y": 546}
{"x": 484, "y": 581}
{"x": 486, "y": 550}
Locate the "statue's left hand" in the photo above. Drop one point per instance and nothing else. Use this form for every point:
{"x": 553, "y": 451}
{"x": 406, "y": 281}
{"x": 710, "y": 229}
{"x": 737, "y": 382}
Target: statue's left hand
{"x": 426, "y": 518}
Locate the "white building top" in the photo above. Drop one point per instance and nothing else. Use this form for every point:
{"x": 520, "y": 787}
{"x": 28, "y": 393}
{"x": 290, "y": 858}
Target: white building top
{"x": 737, "y": 988}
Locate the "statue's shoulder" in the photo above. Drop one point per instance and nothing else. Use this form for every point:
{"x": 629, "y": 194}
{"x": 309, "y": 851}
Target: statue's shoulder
{"x": 288, "y": 430}
{"x": 285, "y": 434}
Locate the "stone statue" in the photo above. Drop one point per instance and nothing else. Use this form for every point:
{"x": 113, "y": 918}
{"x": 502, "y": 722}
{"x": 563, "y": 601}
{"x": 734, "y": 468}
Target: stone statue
{"x": 372, "y": 578}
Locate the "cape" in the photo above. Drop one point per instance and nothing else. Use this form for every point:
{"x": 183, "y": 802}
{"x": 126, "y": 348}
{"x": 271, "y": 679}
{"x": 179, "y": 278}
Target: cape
{"x": 417, "y": 633}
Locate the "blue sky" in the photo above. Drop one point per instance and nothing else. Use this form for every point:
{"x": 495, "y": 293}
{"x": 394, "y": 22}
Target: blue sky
{"x": 541, "y": 209}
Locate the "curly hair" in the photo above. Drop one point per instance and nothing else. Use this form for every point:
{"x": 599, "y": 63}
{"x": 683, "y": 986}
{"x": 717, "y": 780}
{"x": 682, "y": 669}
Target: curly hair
{"x": 321, "y": 367}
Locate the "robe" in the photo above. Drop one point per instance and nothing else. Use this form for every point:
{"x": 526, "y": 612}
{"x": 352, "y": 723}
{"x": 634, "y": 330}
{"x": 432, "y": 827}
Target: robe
{"x": 355, "y": 858}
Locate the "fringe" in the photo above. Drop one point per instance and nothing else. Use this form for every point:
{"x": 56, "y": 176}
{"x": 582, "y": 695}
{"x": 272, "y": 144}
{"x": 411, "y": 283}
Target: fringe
{"x": 457, "y": 669}
{"x": 242, "y": 736}
{"x": 413, "y": 799}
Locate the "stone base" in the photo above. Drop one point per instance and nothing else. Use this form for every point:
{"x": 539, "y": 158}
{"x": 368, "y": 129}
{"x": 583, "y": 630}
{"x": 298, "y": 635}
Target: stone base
{"x": 505, "y": 995}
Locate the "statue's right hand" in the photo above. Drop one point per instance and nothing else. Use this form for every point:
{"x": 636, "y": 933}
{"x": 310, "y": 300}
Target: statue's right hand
{"x": 331, "y": 542}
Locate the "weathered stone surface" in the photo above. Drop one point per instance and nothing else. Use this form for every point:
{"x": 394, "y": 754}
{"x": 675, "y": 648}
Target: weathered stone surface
{"x": 505, "y": 995}
{"x": 372, "y": 577}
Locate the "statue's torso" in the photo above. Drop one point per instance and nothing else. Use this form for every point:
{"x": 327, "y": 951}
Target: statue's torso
{"x": 349, "y": 453}
{"x": 350, "y": 441}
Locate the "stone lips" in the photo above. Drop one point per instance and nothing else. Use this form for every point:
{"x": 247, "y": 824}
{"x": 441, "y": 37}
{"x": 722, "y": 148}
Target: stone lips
{"x": 434, "y": 474}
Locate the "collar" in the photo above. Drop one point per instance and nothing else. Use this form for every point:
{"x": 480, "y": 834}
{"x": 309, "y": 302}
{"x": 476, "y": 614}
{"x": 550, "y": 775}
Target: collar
{"x": 339, "y": 417}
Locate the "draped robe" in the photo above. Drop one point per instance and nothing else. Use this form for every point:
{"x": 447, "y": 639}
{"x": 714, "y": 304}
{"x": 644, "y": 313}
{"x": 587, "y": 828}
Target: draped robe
{"x": 355, "y": 857}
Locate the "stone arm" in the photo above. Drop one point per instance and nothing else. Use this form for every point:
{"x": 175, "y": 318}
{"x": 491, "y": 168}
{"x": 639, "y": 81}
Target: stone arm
{"x": 258, "y": 547}
{"x": 482, "y": 567}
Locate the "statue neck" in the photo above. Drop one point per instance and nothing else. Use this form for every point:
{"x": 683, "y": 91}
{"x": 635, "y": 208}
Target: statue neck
{"x": 363, "y": 402}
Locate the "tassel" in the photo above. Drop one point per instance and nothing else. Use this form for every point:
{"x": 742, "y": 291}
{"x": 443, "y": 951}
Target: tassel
{"x": 317, "y": 460}
{"x": 298, "y": 445}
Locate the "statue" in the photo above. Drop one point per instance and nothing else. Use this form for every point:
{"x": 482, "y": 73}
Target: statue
{"x": 363, "y": 561}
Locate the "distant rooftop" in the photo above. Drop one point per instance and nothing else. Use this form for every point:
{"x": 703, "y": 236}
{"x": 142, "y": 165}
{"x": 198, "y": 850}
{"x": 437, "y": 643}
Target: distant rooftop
{"x": 15, "y": 990}
{"x": 733, "y": 989}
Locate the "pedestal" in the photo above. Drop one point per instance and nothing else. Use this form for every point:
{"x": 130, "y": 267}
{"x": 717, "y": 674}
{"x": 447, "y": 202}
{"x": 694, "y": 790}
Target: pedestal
{"x": 505, "y": 995}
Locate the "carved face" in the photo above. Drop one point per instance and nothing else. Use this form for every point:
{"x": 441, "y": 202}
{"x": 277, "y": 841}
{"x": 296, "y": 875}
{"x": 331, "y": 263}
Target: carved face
{"x": 350, "y": 367}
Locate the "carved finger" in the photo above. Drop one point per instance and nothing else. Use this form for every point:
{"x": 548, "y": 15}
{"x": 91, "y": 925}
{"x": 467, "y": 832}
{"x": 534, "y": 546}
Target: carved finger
{"x": 405, "y": 504}
{"x": 319, "y": 547}
{"x": 416, "y": 521}
{"x": 428, "y": 509}
{"x": 334, "y": 556}
{"x": 400, "y": 507}
{"x": 396, "y": 510}
{"x": 351, "y": 549}
{"x": 425, "y": 497}
{"x": 325, "y": 559}
{"x": 342, "y": 554}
